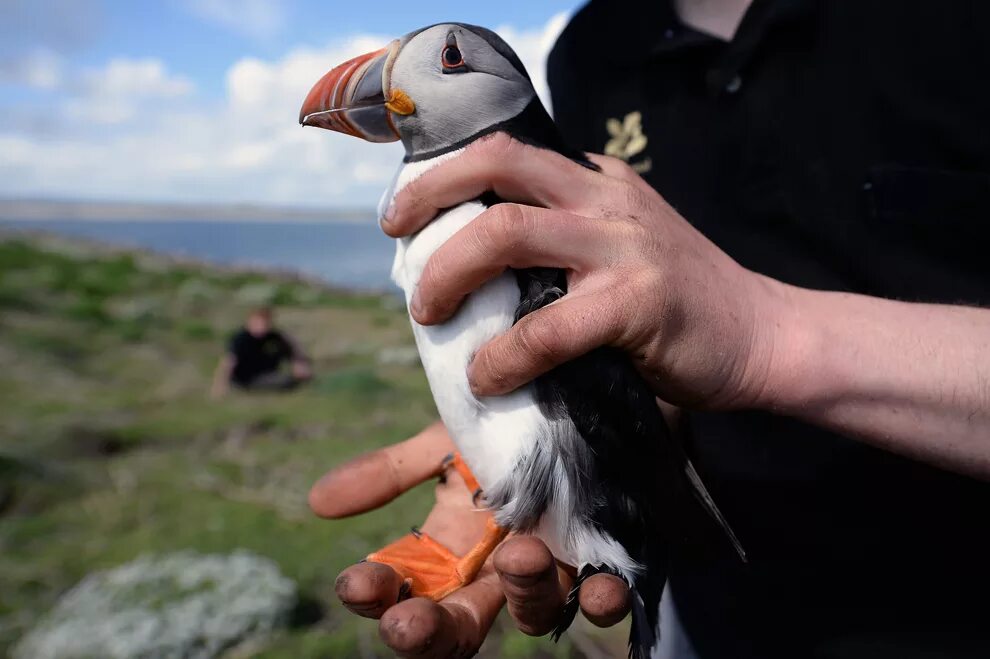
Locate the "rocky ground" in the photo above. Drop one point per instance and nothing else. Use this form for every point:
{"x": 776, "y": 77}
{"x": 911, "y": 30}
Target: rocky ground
{"x": 111, "y": 451}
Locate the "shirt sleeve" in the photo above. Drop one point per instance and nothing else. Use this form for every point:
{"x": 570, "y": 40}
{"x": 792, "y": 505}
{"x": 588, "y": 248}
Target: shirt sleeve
{"x": 288, "y": 348}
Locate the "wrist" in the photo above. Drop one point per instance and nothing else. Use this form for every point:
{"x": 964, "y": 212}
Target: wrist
{"x": 787, "y": 346}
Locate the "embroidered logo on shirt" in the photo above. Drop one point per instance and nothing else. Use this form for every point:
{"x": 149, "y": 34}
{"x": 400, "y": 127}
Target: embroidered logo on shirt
{"x": 628, "y": 141}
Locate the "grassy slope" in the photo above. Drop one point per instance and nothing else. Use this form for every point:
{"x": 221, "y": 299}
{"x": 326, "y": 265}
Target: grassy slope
{"x": 109, "y": 447}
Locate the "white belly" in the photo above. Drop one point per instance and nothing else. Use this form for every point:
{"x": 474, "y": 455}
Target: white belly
{"x": 491, "y": 433}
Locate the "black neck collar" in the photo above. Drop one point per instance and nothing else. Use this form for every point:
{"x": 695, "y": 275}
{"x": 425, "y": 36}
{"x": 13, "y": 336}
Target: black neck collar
{"x": 531, "y": 126}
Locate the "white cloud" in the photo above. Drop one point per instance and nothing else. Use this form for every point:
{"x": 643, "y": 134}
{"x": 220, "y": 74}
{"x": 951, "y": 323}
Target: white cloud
{"x": 144, "y": 78}
{"x": 122, "y": 89}
{"x": 259, "y": 19}
{"x": 159, "y": 141}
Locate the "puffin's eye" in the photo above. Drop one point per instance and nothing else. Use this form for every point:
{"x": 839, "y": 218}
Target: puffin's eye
{"x": 451, "y": 58}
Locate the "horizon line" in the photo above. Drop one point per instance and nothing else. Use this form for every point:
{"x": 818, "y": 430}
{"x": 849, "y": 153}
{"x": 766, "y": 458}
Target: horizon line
{"x": 28, "y": 209}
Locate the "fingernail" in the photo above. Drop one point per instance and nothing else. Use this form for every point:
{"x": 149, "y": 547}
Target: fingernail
{"x": 389, "y": 217}
{"x": 472, "y": 379}
{"x": 416, "y": 306}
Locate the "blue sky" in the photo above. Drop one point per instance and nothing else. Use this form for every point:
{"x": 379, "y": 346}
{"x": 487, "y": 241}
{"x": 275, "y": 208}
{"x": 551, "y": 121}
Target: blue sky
{"x": 192, "y": 99}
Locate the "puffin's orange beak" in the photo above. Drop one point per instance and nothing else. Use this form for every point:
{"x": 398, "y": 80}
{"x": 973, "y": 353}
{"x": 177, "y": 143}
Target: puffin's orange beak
{"x": 354, "y": 98}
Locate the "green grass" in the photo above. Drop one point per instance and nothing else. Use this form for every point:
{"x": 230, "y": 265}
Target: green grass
{"x": 110, "y": 447}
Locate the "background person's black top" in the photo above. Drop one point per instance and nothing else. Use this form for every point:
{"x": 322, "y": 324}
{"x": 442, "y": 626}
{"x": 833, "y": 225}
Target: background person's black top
{"x": 838, "y": 145}
{"x": 257, "y": 355}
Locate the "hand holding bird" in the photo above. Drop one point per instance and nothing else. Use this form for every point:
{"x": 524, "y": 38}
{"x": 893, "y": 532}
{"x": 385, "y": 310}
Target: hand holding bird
{"x": 522, "y": 572}
{"x": 640, "y": 277}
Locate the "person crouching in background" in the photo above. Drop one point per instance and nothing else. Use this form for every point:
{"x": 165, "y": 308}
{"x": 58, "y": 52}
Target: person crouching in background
{"x": 255, "y": 358}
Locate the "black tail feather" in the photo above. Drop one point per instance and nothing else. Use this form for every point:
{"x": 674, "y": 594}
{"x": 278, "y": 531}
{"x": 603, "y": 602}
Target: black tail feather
{"x": 705, "y": 499}
{"x": 571, "y": 604}
{"x": 645, "y": 610}
{"x": 642, "y": 635}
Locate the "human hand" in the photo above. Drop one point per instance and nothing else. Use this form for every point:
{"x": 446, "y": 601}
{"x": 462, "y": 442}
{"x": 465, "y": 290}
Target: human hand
{"x": 698, "y": 326}
{"x": 302, "y": 369}
{"x": 521, "y": 572}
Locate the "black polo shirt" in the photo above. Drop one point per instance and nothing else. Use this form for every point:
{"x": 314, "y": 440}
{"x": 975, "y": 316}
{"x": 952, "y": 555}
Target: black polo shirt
{"x": 836, "y": 145}
{"x": 257, "y": 355}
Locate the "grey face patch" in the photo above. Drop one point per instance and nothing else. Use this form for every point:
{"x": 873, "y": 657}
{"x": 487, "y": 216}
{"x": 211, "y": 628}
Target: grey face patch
{"x": 451, "y": 108}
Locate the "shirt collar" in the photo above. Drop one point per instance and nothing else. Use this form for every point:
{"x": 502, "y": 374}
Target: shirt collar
{"x": 640, "y": 31}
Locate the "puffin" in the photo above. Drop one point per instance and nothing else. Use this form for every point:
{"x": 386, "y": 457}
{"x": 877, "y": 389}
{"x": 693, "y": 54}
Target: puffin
{"x": 581, "y": 456}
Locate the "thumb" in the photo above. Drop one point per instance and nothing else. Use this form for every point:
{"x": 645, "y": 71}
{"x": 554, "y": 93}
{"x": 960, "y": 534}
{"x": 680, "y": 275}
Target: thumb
{"x": 371, "y": 480}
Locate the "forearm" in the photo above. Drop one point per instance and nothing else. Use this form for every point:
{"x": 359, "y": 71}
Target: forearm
{"x": 221, "y": 375}
{"x": 911, "y": 378}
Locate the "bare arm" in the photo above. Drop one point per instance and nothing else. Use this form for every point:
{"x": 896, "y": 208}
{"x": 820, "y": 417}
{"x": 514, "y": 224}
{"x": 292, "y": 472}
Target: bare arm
{"x": 297, "y": 353}
{"x": 302, "y": 366}
{"x": 221, "y": 376}
{"x": 910, "y": 378}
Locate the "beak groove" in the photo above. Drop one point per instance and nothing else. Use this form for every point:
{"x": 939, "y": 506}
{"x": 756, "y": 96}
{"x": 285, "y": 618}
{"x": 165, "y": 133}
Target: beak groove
{"x": 352, "y": 99}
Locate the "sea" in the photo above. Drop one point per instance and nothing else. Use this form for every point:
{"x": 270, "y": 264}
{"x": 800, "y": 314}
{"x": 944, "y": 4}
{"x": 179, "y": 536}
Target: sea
{"x": 352, "y": 255}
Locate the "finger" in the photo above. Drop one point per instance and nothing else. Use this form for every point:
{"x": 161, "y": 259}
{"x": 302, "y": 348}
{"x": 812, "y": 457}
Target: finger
{"x": 621, "y": 170}
{"x": 368, "y": 589}
{"x": 371, "y": 480}
{"x": 512, "y": 170}
{"x": 506, "y": 236}
{"x": 456, "y": 627}
{"x": 604, "y": 599}
{"x": 534, "y": 587}
{"x": 546, "y": 338}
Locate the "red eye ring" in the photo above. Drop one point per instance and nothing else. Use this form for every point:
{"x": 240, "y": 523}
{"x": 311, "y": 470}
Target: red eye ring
{"x": 451, "y": 57}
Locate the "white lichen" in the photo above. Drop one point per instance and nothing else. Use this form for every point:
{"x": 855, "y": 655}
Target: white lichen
{"x": 179, "y": 606}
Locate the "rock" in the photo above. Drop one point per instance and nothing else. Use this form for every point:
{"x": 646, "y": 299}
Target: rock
{"x": 178, "y": 606}
{"x": 399, "y": 356}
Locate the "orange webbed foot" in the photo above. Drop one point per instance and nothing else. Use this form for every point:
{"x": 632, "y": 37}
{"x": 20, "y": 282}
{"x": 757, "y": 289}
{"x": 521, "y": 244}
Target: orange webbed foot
{"x": 430, "y": 569}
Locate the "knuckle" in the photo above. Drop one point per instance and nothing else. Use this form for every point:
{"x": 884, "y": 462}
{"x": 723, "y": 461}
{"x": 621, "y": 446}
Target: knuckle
{"x": 507, "y": 227}
{"x": 503, "y": 143}
{"x": 632, "y": 196}
{"x": 621, "y": 169}
{"x": 539, "y": 338}
{"x": 497, "y": 146}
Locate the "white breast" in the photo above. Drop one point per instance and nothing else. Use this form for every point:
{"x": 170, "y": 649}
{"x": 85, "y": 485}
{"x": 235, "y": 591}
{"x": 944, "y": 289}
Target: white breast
{"x": 491, "y": 433}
